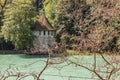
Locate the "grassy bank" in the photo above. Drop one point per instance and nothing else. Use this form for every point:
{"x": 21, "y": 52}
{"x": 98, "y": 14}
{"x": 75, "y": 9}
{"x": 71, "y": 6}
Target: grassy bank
{"x": 87, "y": 53}
{"x": 75, "y": 52}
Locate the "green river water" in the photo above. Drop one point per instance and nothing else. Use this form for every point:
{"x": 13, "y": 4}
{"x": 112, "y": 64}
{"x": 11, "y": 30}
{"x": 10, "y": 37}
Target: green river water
{"x": 34, "y": 64}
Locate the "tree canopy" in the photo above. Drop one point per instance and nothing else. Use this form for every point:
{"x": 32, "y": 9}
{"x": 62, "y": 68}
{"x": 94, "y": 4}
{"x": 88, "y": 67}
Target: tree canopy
{"x": 18, "y": 17}
{"x": 86, "y": 24}
{"x": 92, "y": 25}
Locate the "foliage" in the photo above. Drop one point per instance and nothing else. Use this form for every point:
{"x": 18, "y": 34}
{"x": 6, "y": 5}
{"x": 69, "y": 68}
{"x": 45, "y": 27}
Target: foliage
{"x": 3, "y": 4}
{"x": 1, "y": 17}
{"x": 38, "y": 4}
{"x": 84, "y": 25}
{"x": 104, "y": 20}
{"x": 71, "y": 14}
{"x": 88, "y": 24}
{"x": 18, "y": 18}
{"x": 50, "y": 10}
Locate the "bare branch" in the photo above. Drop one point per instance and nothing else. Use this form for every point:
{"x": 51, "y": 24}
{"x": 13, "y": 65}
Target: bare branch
{"x": 94, "y": 61}
{"x": 111, "y": 73}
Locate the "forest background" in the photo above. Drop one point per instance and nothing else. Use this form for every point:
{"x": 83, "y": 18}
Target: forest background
{"x": 83, "y": 25}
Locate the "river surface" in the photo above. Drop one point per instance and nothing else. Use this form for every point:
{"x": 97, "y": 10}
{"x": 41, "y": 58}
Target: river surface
{"x": 34, "y": 64}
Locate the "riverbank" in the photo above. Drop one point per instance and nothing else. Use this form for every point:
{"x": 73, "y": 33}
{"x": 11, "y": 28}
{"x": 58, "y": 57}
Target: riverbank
{"x": 69, "y": 53}
{"x": 12, "y": 51}
{"x": 87, "y": 53}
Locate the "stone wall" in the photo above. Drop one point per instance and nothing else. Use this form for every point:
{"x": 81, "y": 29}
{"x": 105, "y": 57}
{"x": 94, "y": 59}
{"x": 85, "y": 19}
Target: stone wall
{"x": 44, "y": 39}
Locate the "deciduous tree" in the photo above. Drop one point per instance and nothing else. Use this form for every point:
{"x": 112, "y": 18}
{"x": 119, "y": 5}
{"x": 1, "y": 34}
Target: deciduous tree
{"x": 18, "y": 18}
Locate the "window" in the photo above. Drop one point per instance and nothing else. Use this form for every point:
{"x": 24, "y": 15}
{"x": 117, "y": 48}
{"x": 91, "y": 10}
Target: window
{"x": 44, "y": 32}
{"x": 40, "y": 33}
{"x": 48, "y": 32}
